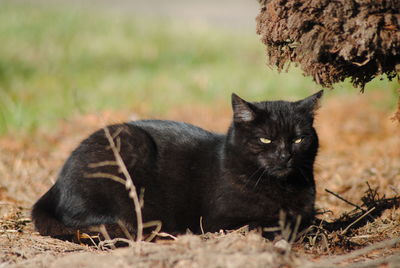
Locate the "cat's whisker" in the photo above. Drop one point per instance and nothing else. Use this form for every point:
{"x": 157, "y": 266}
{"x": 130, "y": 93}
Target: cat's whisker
{"x": 303, "y": 175}
{"x": 252, "y": 175}
{"x": 259, "y": 179}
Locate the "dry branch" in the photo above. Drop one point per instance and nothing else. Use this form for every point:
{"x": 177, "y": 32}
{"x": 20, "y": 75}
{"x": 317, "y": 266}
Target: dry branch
{"x": 326, "y": 236}
{"x": 372, "y": 206}
{"x": 347, "y": 257}
{"x": 103, "y": 175}
{"x": 343, "y": 199}
{"x": 357, "y": 220}
{"x": 128, "y": 183}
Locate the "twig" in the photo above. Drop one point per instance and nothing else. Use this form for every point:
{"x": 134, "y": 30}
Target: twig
{"x": 128, "y": 184}
{"x": 111, "y": 242}
{"x": 201, "y": 225}
{"x": 154, "y": 233}
{"x": 102, "y": 164}
{"x": 271, "y": 229}
{"x": 356, "y": 253}
{"x": 354, "y": 222}
{"x": 141, "y": 197}
{"x": 375, "y": 262}
{"x": 125, "y": 230}
{"x": 118, "y": 144}
{"x": 362, "y": 63}
{"x": 295, "y": 230}
{"x": 163, "y": 234}
{"x": 7, "y": 204}
{"x": 87, "y": 236}
{"x": 104, "y": 232}
{"x": 103, "y": 175}
{"x": 346, "y": 201}
{"x": 116, "y": 133}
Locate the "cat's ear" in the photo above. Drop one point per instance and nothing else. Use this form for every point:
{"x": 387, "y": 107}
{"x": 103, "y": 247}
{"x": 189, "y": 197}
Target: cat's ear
{"x": 311, "y": 103}
{"x": 243, "y": 111}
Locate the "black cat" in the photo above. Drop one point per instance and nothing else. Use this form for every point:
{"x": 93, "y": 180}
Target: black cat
{"x": 263, "y": 164}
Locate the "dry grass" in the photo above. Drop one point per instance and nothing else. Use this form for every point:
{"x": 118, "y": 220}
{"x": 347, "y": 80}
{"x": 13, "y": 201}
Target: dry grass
{"x": 363, "y": 147}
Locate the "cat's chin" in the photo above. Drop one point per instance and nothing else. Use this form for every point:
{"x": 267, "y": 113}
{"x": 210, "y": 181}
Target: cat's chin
{"x": 281, "y": 172}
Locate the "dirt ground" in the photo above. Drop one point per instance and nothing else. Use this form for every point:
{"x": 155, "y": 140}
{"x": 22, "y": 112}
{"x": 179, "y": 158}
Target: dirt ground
{"x": 359, "y": 144}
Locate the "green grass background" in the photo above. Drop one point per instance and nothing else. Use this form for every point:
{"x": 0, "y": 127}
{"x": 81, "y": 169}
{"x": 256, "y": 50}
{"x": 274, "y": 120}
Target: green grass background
{"x": 56, "y": 62}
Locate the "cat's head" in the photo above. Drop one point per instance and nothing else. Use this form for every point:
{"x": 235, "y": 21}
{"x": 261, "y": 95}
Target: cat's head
{"x": 277, "y": 136}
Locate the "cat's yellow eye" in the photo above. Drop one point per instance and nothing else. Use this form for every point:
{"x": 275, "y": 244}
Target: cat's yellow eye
{"x": 265, "y": 140}
{"x": 297, "y": 141}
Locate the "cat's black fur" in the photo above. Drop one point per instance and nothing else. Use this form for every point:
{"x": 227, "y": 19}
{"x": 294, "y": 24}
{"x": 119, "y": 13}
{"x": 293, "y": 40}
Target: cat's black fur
{"x": 186, "y": 172}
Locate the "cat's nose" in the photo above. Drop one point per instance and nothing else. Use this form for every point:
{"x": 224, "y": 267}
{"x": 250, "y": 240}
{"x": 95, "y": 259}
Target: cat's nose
{"x": 284, "y": 157}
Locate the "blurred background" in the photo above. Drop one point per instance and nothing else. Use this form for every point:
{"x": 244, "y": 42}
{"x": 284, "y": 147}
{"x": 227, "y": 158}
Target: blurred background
{"x": 60, "y": 59}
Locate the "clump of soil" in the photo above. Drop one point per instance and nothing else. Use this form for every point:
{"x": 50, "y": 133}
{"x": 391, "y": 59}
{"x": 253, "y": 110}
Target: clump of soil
{"x": 333, "y": 40}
